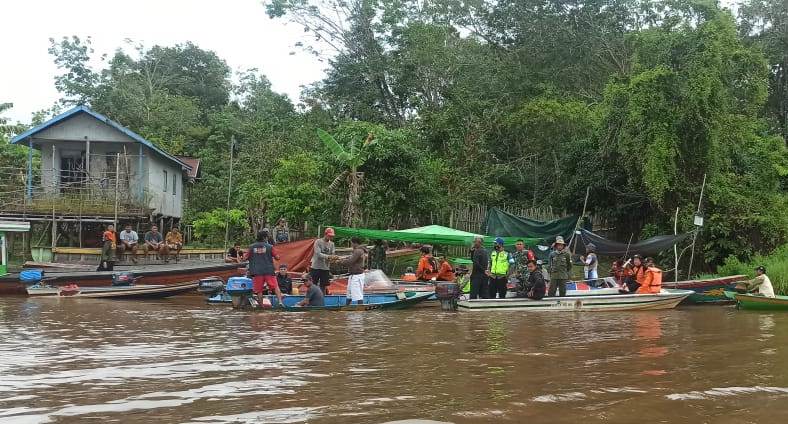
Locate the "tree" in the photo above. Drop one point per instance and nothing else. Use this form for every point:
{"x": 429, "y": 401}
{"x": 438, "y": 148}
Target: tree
{"x": 351, "y": 157}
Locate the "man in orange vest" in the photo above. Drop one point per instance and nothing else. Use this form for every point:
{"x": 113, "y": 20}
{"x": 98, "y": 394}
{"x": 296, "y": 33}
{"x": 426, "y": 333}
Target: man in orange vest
{"x": 652, "y": 283}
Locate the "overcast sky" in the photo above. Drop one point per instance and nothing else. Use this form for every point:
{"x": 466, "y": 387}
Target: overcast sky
{"x": 237, "y": 30}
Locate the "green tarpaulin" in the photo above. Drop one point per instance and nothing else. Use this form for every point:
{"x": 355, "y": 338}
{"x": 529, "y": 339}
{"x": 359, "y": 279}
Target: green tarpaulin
{"x": 504, "y": 224}
{"x": 432, "y": 234}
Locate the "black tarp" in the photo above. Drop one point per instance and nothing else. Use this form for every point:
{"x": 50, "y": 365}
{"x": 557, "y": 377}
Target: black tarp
{"x": 503, "y": 224}
{"x": 647, "y": 247}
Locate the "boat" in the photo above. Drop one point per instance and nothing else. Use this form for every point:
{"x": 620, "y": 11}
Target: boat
{"x": 372, "y": 302}
{"x": 115, "y": 292}
{"x": 173, "y": 274}
{"x": 706, "y": 291}
{"x": 667, "y": 299}
{"x": 755, "y": 302}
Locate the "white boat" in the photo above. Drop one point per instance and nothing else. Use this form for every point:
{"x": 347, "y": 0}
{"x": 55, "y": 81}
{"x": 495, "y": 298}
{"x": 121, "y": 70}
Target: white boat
{"x": 667, "y": 299}
{"x": 595, "y": 287}
{"x": 114, "y": 292}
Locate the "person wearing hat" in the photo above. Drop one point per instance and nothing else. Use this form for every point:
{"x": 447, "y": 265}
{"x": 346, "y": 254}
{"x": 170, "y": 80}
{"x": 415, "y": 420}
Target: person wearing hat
{"x": 761, "y": 283}
{"x": 480, "y": 282}
{"x": 560, "y": 267}
{"x": 498, "y": 269}
{"x": 590, "y": 263}
{"x": 284, "y": 280}
{"x": 463, "y": 281}
{"x": 313, "y": 296}
{"x": 323, "y": 252}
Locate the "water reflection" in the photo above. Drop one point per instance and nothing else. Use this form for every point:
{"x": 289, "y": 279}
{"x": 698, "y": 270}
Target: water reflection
{"x": 184, "y": 362}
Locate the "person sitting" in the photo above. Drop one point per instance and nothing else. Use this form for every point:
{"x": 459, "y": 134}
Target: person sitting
{"x": 281, "y": 232}
{"x": 445, "y": 271}
{"x": 235, "y": 255}
{"x": 155, "y": 242}
{"x": 428, "y": 267}
{"x": 617, "y": 271}
{"x": 174, "y": 242}
{"x": 284, "y": 280}
{"x": 128, "y": 242}
{"x": 409, "y": 275}
{"x": 534, "y": 287}
{"x": 314, "y": 296}
{"x": 463, "y": 281}
{"x": 652, "y": 283}
{"x": 634, "y": 275}
{"x": 761, "y": 283}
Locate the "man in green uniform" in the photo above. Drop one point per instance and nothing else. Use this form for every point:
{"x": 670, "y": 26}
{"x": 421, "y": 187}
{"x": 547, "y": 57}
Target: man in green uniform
{"x": 560, "y": 267}
{"x": 519, "y": 269}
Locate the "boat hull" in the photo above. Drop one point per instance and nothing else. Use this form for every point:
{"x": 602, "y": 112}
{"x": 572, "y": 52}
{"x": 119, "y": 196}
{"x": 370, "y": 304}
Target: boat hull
{"x": 592, "y": 303}
{"x": 762, "y": 303}
{"x": 372, "y": 302}
{"x": 125, "y": 292}
{"x": 175, "y": 274}
{"x": 709, "y": 291}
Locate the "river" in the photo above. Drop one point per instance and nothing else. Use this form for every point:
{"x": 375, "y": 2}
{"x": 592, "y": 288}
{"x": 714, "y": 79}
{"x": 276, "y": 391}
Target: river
{"x": 84, "y": 360}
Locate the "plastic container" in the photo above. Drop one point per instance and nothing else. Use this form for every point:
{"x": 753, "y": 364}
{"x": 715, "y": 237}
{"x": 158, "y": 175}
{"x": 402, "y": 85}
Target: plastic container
{"x": 31, "y": 276}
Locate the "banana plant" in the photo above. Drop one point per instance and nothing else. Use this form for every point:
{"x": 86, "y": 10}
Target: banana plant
{"x": 352, "y": 158}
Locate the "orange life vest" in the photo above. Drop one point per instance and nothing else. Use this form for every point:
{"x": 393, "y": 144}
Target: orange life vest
{"x": 652, "y": 282}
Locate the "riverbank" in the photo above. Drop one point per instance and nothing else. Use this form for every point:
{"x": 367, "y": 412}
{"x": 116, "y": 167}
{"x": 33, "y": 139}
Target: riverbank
{"x": 776, "y": 264}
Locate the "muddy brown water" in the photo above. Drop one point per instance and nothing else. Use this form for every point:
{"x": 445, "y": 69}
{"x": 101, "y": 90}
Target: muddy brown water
{"x": 84, "y": 360}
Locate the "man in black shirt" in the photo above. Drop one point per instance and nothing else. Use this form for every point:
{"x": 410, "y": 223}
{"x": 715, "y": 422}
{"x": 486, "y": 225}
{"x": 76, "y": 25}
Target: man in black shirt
{"x": 284, "y": 280}
{"x": 479, "y": 282}
{"x": 235, "y": 255}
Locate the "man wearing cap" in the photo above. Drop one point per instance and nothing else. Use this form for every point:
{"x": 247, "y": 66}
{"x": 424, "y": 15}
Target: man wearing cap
{"x": 761, "y": 282}
{"x": 560, "y": 267}
{"x": 480, "y": 282}
{"x": 324, "y": 250}
{"x": 498, "y": 269}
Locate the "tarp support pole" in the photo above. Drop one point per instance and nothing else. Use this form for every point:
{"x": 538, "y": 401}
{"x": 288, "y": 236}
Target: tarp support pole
{"x": 577, "y": 225}
{"x": 697, "y": 230}
{"x": 675, "y": 247}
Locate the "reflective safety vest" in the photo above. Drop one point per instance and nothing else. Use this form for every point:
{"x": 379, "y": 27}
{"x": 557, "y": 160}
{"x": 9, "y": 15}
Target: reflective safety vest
{"x": 499, "y": 262}
{"x": 465, "y": 284}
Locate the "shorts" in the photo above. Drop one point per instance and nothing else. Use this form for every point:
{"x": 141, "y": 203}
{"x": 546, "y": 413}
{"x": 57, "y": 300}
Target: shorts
{"x": 259, "y": 281}
{"x": 355, "y": 287}
{"x": 321, "y": 277}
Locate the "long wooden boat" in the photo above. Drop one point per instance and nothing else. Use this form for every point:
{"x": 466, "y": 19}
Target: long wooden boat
{"x": 668, "y": 299}
{"x": 707, "y": 291}
{"x": 763, "y": 303}
{"x": 160, "y": 275}
{"x": 372, "y": 302}
{"x": 117, "y": 292}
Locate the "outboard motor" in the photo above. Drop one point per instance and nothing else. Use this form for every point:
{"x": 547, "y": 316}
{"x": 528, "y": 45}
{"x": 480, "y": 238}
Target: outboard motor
{"x": 122, "y": 278}
{"x": 448, "y": 293}
{"x": 240, "y": 290}
{"x": 31, "y": 276}
{"x": 210, "y": 286}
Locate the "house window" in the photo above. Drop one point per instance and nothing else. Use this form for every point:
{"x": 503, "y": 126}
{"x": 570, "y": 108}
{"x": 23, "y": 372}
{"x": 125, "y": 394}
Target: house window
{"x": 166, "y": 180}
{"x": 174, "y": 184}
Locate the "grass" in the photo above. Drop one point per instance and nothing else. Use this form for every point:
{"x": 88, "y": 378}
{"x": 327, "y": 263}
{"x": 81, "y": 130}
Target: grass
{"x": 776, "y": 264}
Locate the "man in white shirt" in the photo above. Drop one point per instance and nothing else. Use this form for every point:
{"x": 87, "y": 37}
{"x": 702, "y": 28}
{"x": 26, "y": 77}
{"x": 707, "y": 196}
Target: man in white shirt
{"x": 128, "y": 242}
{"x": 761, "y": 282}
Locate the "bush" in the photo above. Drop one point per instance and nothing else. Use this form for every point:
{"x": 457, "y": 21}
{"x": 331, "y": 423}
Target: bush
{"x": 776, "y": 265}
{"x": 210, "y": 227}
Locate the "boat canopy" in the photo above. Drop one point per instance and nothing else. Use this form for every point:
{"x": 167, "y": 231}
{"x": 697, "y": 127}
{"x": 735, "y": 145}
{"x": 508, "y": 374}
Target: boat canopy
{"x": 431, "y": 234}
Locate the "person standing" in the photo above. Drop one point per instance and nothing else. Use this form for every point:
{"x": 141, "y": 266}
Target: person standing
{"x": 498, "y": 270}
{"x": 560, "y": 267}
{"x": 479, "y": 281}
{"x": 261, "y": 255}
{"x": 128, "y": 242}
{"x": 761, "y": 283}
{"x": 281, "y": 232}
{"x": 590, "y": 263}
{"x": 108, "y": 246}
{"x": 355, "y": 264}
{"x": 519, "y": 268}
{"x": 377, "y": 257}
{"x": 323, "y": 251}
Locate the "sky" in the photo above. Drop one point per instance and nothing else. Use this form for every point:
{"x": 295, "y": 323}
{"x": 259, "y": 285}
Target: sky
{"x": 239, "y": 31}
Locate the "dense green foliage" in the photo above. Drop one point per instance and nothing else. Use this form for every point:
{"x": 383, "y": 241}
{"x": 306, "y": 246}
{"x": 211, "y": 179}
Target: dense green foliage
{"x": 479, "y": 101}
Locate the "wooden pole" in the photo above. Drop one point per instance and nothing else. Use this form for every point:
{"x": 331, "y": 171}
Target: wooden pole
{"x": 577, "y": 225}
{"x": 697, "y": 230}
{"x": 117, "y": 186}
{"x": 675, "y": 247}
{"x": 229, "y": 192}
{"x": 54, "y": 195}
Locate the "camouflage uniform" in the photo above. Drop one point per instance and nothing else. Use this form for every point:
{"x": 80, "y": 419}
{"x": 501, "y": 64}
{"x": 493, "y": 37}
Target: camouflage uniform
{"x": 520, "y": 270}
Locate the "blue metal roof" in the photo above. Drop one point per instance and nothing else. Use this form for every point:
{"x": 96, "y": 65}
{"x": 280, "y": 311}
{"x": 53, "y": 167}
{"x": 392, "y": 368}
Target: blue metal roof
{"x": 84, "y": 109}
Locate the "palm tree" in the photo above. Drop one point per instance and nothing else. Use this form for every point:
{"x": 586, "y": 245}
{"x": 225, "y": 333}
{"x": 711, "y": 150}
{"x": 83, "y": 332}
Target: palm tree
{"x": 352, "y": 158}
